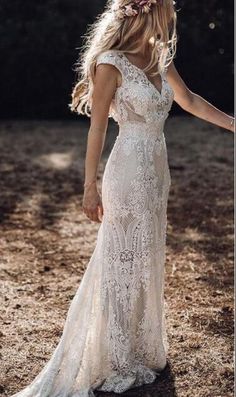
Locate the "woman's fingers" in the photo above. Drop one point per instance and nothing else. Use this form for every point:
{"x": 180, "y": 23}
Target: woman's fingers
{"x": 100, "y": 212}
{"x": 92, "y": 214}
{"x": 101, "y": 208}
{"x": 92, "y": 207}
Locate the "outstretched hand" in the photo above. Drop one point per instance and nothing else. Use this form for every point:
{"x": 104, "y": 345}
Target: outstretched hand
{"x": 232, "y": 125}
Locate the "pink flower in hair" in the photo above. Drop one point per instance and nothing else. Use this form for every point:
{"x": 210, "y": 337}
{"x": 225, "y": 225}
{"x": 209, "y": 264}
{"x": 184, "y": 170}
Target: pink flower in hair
{"x": 144, "y": 5}
{"x": 133, "y": 8}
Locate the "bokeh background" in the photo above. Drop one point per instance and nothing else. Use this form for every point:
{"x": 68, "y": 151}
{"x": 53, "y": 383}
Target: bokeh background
{"x": 46, "y": 240}
{"x": 39, "y": 47}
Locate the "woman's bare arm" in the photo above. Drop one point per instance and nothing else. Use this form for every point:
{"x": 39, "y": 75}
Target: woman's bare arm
{"x": 195, "y": 104}
{"x": 105, "y": 85}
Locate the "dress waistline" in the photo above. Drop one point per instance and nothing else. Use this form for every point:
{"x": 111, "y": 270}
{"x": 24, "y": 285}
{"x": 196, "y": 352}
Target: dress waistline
{"x": 139, "y": 130}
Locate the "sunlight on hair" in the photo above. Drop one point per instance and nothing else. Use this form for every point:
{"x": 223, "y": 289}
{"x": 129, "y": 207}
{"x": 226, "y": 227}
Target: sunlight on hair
{"x": 131, "y": 34}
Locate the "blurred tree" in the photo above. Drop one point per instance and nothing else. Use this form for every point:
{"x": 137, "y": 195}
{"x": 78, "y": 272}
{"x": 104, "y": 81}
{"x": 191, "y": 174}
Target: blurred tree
{"x": 40, "y": 41}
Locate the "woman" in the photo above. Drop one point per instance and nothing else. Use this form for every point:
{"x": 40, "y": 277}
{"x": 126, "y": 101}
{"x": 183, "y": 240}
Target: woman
{"x": 114, "y": 336}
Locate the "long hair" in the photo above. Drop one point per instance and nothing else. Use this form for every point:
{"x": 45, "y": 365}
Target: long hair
{"x": 109, "y": 32}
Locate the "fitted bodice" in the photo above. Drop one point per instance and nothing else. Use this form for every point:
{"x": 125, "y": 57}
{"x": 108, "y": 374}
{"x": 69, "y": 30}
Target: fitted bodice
{"x": 137, "y": 101}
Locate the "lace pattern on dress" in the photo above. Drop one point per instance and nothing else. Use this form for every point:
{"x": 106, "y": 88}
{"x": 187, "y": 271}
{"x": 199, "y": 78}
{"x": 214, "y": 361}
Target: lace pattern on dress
{"x": 114, "y": 336}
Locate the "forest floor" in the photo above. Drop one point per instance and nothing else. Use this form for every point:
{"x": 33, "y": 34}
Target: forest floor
{"x": 46, "y": 242}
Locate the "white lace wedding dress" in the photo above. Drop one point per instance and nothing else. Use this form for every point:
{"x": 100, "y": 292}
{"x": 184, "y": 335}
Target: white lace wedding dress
{"x": 114, "y": 336}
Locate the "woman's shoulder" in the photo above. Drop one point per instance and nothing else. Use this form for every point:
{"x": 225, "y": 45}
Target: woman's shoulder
{"x": 109, "y": 56}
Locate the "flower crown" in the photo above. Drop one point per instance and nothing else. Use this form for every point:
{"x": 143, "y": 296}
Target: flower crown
{"x": 134, "y": 7}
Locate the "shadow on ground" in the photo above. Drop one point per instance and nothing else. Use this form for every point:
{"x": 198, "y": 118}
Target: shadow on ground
{"x": 164, "y": 386}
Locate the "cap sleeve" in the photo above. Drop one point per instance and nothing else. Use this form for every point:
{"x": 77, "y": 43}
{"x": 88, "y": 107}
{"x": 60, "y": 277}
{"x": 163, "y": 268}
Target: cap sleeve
{"x": 111, "y": 58}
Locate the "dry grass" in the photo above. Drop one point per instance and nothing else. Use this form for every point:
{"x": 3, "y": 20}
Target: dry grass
{"x": 46, "y": 242}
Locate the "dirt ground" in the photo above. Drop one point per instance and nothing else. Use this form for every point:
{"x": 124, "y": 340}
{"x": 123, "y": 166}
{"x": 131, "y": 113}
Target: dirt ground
{"x": 46, "y": 242}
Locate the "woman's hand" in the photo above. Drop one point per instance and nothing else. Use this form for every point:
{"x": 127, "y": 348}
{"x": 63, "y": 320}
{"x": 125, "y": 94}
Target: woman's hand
{"x": 232, "y": 124}
{"x": 92, "y": 204}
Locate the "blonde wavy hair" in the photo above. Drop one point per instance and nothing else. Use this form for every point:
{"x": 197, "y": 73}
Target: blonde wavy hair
{"x": 157, "y": 27}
